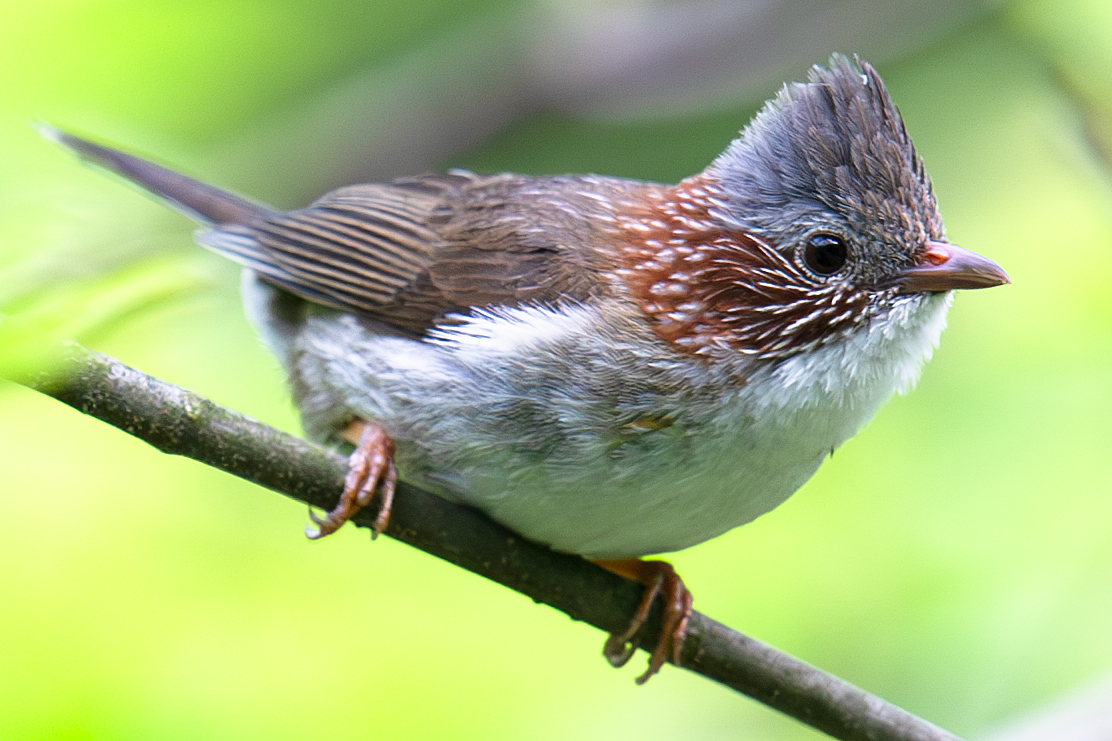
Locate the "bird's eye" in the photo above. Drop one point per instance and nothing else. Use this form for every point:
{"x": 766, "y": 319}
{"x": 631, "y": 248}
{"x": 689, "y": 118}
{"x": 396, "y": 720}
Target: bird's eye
{"x": 825, "y": 253}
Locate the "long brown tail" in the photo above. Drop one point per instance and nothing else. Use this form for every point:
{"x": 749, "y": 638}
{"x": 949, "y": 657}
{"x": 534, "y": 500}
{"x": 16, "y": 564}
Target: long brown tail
{"x": 195, "y": 199}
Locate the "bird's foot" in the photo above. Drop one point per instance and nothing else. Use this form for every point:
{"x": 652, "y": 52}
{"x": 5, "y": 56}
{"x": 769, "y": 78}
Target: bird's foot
{"x": 370, "y": 468}
{"x": 660, "y": 580}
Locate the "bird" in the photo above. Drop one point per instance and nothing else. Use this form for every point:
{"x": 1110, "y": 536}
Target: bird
{"x": 610, "y": 367}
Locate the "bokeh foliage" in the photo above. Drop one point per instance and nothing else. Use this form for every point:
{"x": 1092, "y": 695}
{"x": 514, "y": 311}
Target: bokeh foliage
{"x": 952, "y": 558}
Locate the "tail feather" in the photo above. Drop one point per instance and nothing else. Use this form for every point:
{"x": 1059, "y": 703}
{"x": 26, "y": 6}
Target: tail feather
{"x": 199, "y": 201}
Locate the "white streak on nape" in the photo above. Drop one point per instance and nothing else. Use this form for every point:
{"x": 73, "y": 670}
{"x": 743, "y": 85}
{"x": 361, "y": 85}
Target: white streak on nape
{"x": 691, "y": 225}
{"x": 723, "y": 215}
{"x": 668, "y": 288}
{"x": 567, "y": 208}
{"x": 594, "y": 196}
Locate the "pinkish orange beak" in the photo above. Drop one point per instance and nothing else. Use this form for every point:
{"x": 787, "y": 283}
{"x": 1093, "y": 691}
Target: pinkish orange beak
{"x": 944, "y": 267}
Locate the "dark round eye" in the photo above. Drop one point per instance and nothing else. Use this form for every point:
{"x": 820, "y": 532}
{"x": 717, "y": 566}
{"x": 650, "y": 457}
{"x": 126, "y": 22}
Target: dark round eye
{"x": 825, "y": 253}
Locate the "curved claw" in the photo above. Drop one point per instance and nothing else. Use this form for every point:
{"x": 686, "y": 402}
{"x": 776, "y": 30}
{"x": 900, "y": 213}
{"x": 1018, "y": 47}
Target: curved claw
{"x": 618, "y": 650}
{"x": 370, "y": 467}
{"x": 673, "y": 629}
{"x": 389, "y": 481}
{"x": 660, "y": 579}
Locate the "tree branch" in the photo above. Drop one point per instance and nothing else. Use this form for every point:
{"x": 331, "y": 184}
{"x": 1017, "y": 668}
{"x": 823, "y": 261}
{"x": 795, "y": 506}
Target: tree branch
{"x": 180, "y": 422}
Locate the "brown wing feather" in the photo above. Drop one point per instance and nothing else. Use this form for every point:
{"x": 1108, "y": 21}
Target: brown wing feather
{"x": 514, "y": 240}
{"x": 411, "y": 251}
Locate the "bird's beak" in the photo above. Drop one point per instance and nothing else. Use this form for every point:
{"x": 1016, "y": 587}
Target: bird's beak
{"x": 943, "y": 267}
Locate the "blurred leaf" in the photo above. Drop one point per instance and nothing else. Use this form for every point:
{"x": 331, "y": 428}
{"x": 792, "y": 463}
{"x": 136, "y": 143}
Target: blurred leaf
{"x": 224, "y": 63}
{"x": 1074, "y": 35}
{"x": 33, "y": 325}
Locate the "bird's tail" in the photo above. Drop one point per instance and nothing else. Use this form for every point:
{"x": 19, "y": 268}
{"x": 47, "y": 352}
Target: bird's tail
{"x": 204, "y": 203}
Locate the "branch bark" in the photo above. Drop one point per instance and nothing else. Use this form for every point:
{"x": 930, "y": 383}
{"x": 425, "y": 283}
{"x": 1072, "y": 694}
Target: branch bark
{"x": 180, "y": 422}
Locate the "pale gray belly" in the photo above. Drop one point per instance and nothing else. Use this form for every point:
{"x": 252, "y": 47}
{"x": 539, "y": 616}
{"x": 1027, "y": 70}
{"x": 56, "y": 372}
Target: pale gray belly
{"x": 534, "y": 415}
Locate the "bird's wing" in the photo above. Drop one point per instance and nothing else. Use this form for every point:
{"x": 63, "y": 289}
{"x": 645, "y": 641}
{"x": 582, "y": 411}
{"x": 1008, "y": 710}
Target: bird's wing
{"x": 410, "y": 251}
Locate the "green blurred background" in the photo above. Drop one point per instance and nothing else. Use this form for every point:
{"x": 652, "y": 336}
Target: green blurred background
{"x": 953, "y": 558}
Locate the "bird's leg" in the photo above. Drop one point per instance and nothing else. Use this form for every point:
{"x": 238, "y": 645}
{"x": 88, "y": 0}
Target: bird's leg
{"x": 370, "y": 467}
{"x": 660, "y": 580}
